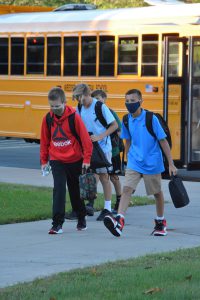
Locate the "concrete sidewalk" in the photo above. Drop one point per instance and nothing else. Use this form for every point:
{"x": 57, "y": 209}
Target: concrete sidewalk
{"x": 28, "y": 252}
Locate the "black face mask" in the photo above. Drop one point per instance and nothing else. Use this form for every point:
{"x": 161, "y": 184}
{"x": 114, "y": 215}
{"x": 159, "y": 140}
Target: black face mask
{"x": 132, "y": 107}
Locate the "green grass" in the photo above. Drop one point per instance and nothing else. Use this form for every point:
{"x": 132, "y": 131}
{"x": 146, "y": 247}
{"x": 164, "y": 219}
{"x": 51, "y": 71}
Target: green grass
{"x": 21, "y": 203}
{"x": 169, "y": 276}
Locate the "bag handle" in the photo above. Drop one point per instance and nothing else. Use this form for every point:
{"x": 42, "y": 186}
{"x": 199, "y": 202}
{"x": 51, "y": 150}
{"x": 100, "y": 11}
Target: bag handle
{"x": 86, "y": 171}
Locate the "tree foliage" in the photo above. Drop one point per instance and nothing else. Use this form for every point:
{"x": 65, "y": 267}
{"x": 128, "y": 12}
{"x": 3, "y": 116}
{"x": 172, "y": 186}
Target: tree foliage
{"x": 56, "y": 3}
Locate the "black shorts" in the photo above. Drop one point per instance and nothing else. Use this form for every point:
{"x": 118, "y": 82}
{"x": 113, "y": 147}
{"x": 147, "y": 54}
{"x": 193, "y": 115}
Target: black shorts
{"x": 116, "y": 164}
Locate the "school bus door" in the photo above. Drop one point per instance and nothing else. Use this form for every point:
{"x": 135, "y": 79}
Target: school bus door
{"x": 174, "y": 106}
{"x": 193, "y": 125}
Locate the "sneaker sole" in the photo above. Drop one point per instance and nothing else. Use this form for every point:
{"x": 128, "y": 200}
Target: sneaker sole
{"x": 81, "y": 229}
{"x": 111, "y": 226}
{"x": 160, "y": 233}
{"x": 102, "y": 217}
{"x": 56, "y": 232}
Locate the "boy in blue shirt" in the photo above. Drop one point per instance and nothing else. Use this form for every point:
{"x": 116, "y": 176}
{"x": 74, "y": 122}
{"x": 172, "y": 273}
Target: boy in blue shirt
{"x": 145, "y": 160}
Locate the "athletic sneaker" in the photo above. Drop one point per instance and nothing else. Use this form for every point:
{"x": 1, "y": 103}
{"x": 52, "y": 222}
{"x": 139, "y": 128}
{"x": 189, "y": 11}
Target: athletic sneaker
{"x": 56, "y": 229}
{"x": 114, "y": 225}
{"x": 81, "y": 224}
{"x": 160, "y": 228}
{"x": 103, "y": 213}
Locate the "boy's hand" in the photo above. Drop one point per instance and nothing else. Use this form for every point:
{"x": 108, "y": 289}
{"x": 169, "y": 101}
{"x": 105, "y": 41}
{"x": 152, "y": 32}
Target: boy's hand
{"x": 85, "y": 166}
{"x": 172, "y": 170}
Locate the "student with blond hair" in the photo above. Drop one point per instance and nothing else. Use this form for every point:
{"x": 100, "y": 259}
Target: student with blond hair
{"x": 86, "y": 109}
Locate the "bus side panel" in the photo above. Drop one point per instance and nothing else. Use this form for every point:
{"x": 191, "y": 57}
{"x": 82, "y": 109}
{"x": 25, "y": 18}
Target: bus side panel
{"x": 23, "y": 102}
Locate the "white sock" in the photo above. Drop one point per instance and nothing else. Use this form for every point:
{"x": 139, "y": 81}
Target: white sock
{"x": 107, "y": 205}
{"x": 160, "y": 218}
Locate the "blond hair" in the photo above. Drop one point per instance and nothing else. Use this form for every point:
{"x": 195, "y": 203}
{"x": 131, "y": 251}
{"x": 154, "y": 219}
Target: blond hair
{"x": 81, "y": 89}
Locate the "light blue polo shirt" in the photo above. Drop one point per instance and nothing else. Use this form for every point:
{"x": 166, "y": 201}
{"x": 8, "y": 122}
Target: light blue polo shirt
{"x": 144, "y": 155}
{"x": 93, "y": 125}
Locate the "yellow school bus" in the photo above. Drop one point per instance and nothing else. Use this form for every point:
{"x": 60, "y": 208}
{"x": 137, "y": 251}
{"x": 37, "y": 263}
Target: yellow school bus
{"x": 153, "y": 49}
{"x": 10, "y": 9}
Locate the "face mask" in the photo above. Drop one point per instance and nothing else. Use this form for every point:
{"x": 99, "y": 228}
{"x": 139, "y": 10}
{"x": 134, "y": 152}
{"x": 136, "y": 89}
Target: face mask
{"x": 58, "y": 110}
{"x": 132, "y": 107}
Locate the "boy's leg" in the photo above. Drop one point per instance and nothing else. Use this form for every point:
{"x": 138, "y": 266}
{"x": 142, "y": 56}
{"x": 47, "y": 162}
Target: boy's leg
{"x": 159, "y": 204}
{"x": 114, "y": 178}
{"x": 153, "y": 187}
{"x": 115, "y": 225}
{"x": 59, "y": 193}
{"x": 73, "y": 171}
{"x": 125, "y": 199}
{"x": 107, "y": 189}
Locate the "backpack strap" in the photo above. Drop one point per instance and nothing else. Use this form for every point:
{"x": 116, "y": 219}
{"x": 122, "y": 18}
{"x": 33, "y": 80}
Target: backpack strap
{"x": 125, "y": 121}
{"x": 79, "y": 106}
{"x": 99, "y": 114}
{"x": 148, "y": 123}
{"x": 49, "y": 121}
{"x": 71, "y": 120}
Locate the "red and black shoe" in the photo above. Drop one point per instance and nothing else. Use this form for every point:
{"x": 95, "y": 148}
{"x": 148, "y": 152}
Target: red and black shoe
{"x": 114, "y": 225}
{"x": 56, "y": 229}
{"x": 160, "y": 228}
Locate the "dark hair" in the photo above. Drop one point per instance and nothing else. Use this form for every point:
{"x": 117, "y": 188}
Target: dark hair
{"x": 57, "y": 93}
{"x": 134, "y": 91}
{"x": 99, "y": 93}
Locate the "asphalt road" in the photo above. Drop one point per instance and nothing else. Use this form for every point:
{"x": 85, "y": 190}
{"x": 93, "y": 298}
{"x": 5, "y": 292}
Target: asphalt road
{"x": 19, "y": 154}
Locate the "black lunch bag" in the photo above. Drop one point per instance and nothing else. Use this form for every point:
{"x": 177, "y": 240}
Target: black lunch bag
{"x": 178, "y": 192}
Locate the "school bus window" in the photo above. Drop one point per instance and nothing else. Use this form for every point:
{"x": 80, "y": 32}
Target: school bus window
{"x": 88, "y": 50}
{"x": 35, "y": 55}
{"x": 17, "y": 56}
{"x": 3, "y": 56}
{"x": 128, "y": 55}
{"x": 196, "y": 57}
{"x": 53, "y": 56}
{"x": 106, "y": 56}
{"x": 150, "y": 55}
{"x": 173, "y": 69}
{"x": 71, "y": 56}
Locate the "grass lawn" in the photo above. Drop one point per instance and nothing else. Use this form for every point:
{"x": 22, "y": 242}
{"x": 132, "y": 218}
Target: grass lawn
{"x": 21, "y": 203}
{"x": 169, "y": 276}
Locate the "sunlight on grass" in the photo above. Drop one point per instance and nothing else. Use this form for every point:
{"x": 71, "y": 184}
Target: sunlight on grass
{"x": 20, "y": 203}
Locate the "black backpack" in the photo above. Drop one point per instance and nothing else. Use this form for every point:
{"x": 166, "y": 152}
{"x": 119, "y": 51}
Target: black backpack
{"x": 71, "y": 120}
{"x": 115, "y": 140}
{"x": 178, "y": 192}
{"x": 149, "y": 126}
{"x": 98, "y": 159}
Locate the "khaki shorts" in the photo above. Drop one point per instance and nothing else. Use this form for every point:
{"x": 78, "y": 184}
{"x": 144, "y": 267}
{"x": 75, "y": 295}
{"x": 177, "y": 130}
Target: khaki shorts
{"x": 152, "y": 182}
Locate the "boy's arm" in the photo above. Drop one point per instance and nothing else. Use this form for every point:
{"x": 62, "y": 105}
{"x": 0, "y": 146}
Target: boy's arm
{"x": 45, "y": 138}
{"x": 113, "y": 126}
{"x": 85, "y": 140}
{"x": 166, "y": 149}
{"x": 127, "y": 146}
